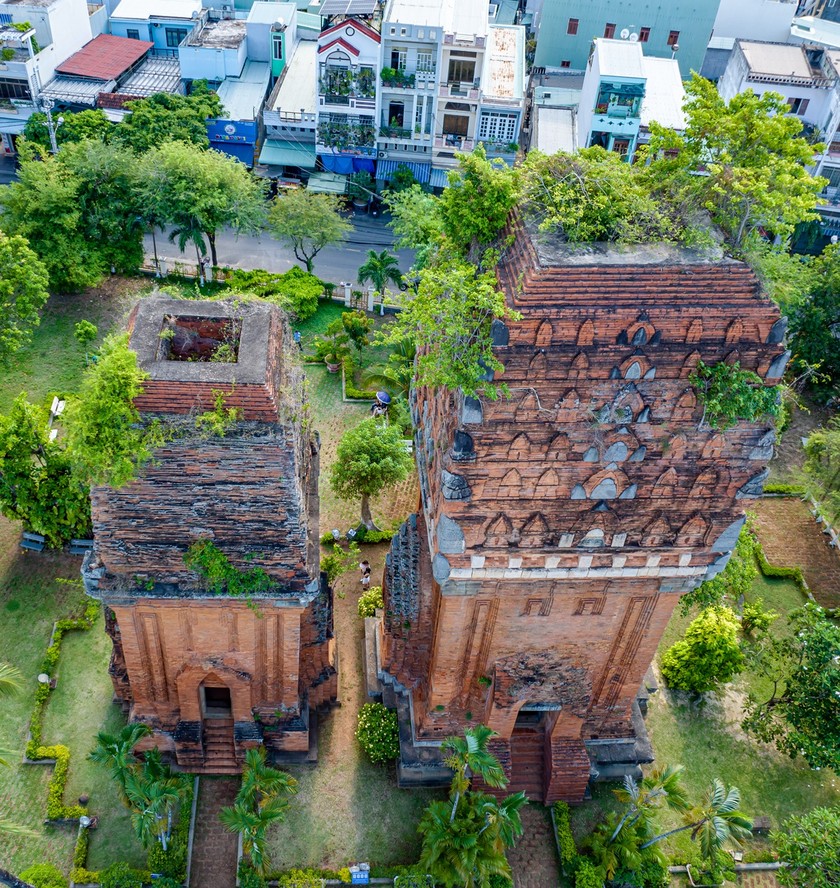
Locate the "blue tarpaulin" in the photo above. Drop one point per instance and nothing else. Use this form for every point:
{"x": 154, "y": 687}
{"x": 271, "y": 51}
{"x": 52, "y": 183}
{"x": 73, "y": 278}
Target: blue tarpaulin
{"x": 337, "y": 163}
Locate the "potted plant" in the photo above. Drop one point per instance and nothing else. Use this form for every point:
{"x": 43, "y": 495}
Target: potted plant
{"x": 359, "y": 187}
{"x": 333, "y": 347}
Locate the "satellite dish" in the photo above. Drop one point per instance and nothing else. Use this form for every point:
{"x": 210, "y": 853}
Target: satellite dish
{"x": 634, "y": 37}
{"x": 195, "y": 14}
{"x": 625, "y": 33}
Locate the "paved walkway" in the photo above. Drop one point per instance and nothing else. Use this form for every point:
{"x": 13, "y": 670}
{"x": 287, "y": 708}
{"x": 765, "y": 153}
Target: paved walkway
{"x": 214, "y": 848}
{"x": 790, "y": 536}
{"x": 534, "y": 859}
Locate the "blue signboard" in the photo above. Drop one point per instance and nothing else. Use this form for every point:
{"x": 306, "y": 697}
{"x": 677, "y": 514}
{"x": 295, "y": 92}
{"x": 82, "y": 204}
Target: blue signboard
{"x": 359, "y": 876}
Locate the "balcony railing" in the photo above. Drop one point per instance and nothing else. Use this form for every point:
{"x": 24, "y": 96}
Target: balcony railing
{"x": 460, "y": 90}
{"x": 458, "y": 143}
{"x": 395, "y": 132}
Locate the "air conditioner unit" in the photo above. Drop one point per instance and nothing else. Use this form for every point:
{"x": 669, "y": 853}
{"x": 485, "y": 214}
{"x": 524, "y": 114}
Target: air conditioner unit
{"x": 381, "y": 153}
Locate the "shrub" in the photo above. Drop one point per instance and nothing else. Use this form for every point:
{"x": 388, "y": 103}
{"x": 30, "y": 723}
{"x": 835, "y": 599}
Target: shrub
{"x": 44, "y": 875}
{"x": 249, "y": 877}
{"x": 120, "y": 875}
{"x": 754, "y": 619}
{"x": 413, "y": 878}
{"x": 588, "y": 876}
{"x": 563, "y": 830}
{"x": 785, "y": 489}
{"x": 56, "y": 809}
{"x": 378, "y": 732}
{"x": 172, "y": 862}
{"x": 370, "y": 601}
{"x": 296, "y": 290}
{"x": 298, "y": 878}
{"x": 707, "y": 656}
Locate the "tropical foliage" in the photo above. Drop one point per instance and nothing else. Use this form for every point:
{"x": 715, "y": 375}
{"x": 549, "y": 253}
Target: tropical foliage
{"x": 822, "y": 467}
{"x": 307, "y": 222}
{"x": 808, "y": 845}
{"x": 377, "y": 732}
{"x": 23, "y": 293}
{"x": 380, "y": 269}
{"x": 729, "y": 394}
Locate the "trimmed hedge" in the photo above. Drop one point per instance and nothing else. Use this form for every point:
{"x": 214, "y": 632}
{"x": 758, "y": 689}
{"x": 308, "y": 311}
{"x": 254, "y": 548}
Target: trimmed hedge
{"x": 44, "y": 875}
{"x": 363, "y": 535}
{"x": 79, "y": 874}
{"x": 563, "y": 831}
{"x": 785, "y": 489}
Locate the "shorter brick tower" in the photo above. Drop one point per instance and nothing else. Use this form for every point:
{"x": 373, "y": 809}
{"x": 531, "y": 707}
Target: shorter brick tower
{"x": 213, "y": 674}
{"x": 560, "y": 525}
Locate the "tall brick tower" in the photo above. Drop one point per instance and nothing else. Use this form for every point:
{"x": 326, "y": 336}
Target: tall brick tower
{"x": 559, "y": 527}
{"x": 214, "y": 674}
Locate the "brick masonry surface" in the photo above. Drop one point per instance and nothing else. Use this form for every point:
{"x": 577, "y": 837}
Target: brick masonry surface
{"x": 560, "y": 525}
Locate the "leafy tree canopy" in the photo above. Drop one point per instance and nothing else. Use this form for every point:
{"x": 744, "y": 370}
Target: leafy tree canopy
{"x": 416, "y": 222}
{"x": 729, "y": 394}
{"x": 808, "y": 845}
{"x": 166, "y": 117}
{"x": 104, "y": 437}
{"x": 78, "y": 126}
{"x": 307, "y": 222}
{"x": 371, "y": 457}
{"x": 802, "y": 714}
{"x": 23, "y": 293}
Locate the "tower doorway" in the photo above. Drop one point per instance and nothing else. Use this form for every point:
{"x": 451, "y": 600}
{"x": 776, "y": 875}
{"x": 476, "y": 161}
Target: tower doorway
{"x": 215, "y": 702}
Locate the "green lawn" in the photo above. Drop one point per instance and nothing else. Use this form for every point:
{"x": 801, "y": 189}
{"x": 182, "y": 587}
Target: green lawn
{"x": 707, "y": 739}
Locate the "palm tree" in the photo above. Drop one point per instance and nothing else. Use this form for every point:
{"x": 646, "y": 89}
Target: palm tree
{"x": 397, "y": 374}
{"x": 154, "y": 802}
{"x": 380, "y": 269}
{"x": 252, "y": 823}
{"x": 716, "y": 820}
{"x": 117, "y": 751}
{"x": 11, "y": 681}
{"x": 643, "y": 799}
{"x": 188, "y": 231}
{"x": 260, "y": 781}
{"x": 502, "y": 820}
{"x": 469, "y": 756}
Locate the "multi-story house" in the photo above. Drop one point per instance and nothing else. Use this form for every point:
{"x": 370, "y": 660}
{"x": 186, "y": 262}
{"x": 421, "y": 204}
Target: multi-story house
{"x": 667, "y": 28}
{"x": 166, "y": 23}
{"x": 348, "y": 75}
{"x": 58, "y": 28}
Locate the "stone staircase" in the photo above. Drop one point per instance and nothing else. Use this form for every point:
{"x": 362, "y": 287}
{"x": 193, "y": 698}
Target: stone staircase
{"x": 527, "y": 759}
{"x": 220, "y": 753}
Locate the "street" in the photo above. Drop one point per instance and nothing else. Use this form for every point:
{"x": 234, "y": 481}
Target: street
{"x": 334, "y": 264}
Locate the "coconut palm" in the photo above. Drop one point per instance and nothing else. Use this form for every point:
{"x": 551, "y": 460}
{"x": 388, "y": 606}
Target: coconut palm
{"x": 661, "y": 786}
{"x": 252, "y": 824}
{"x": 468, "y": 756}
{"x": 117, "y": 751}
{"x": 154, "y": 801}
{"x": 11, "y": 681}
{"x": 379, "y": 270}
{"x": 260, "y": 781}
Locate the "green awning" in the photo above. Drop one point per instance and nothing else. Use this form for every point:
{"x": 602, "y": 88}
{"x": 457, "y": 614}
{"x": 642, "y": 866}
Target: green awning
{"x": 327, "y": 183}
{"x": 276, "y": 153}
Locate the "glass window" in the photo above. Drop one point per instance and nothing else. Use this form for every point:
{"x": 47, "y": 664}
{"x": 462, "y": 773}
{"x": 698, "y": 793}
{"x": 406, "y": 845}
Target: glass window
{"x": 461, "y": 71}
{"x": 175, "y": 36}
{"x": 673, "y": 38}
{"x": 566, "y": 63}
{"x": 425, "y": 61}
{"x": 572, "y": 27}
{"x": 277, "y": 45}
{"x": 399, "y": 57}
{"x": 495, "y": 126}
{"x": 132, "y": 33}
{"x": 644, "y": 35}
{"x": 609, "y": 30}
{"x": 11, "y": 88}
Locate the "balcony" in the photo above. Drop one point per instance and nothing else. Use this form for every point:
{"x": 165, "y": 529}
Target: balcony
{"x": 397, "y": 78}
{"x": 456, "y": 90}
{"x": 339, "y": 85}
{"x": 456, "y": 143}
{"x": 395, "y": 132}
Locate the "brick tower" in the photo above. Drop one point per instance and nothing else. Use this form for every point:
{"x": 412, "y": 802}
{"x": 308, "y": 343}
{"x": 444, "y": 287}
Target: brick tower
{"x": 559, "y": 527}
{"x": 213, "y": 674}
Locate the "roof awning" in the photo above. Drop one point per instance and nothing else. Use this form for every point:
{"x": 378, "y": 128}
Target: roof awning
{"x": 439, "y": 178}
{"x": 275, "y": 153}
{"x": 327, "y": 183}
{"x": 386, "y": 168}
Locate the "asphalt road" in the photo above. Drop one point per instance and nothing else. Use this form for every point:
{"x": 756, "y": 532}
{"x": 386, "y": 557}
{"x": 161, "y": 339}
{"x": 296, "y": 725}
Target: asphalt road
{"x": 331, "y": 264}
{"x": 7, "y": 171}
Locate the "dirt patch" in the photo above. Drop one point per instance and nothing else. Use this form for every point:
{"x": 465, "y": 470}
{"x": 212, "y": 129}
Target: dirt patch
{"x": 786, "y": 465}
{"x": 790, "y": 536}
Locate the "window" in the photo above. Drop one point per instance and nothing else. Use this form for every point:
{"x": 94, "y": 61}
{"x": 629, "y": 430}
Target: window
{"x": 402, "y": 32}
{"x": 175, "y": 36}
{"x": 644, "y": 35}
{"x": 399, "y": 57}
{"x": 455, "y": 125}
{"x": 425, "y": 62}
{"x": 609, "y": 30}
{"x": 461, "y": 71}
{"x": 566, "y": 63}
{"x": 277, "y": 46}
{"x": 673, "y": 38}
{"x": 798, "y": 106}
{"x": 11, "y": 88}
{"x": 132, "y": 33}
{"x": 573, "y": 26}
{"x": 418, "y": 113}
{"x": 495, "y": 126}
{"x": 396, "y": 113}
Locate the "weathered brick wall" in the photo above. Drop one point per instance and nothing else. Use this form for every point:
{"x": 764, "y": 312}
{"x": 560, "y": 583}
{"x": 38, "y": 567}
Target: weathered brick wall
{"x": 563, "y": 522}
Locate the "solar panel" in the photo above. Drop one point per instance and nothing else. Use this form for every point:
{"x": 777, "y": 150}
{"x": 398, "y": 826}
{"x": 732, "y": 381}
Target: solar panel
{"x": 348, "y": 7}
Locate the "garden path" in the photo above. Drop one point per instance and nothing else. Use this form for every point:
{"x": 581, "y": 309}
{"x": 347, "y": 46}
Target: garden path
{"x": 790, "y": 536}
{"x": 534, "y": 859}
{"x": 214, "y": 848}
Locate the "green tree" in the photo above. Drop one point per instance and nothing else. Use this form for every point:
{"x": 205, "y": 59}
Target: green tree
{"x": 822, "y": 467}
{"x": 77, "y": 127}
{"x": 808, "y": 844}
{"x": 116, "y": 751}
{"x": 37, "y": 482}
{"x": 199, "y": 193}
{"x": 307, "y": 222}
{"x": 450, "y": 319}
{"x": 729, "y": 395}
{"x": 416, "y": 222}
{"x": 468, "y": 756}
{"x": 261, "y": 801}
{"x": 84, "y": 332}
{"x": 23, "y": 293}
{"x": 707, "y": 656}
{"x": 104, "y": 437}
{"x": 802, "y": 713}
{"x": 753, "y": 156}
{"x": 380, "y": 269}
{"x": 358, "y": 326}
{"x": 154, "y": 794}
{"x": 167, "y": 117}
{"x": 475, "y": 206}
{"x": 371, "y": 457}
{"x": 43, "y": 206}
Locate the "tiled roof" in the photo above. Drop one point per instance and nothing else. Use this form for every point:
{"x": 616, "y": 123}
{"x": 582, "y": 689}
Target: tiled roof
{"x": 105, "y": 58}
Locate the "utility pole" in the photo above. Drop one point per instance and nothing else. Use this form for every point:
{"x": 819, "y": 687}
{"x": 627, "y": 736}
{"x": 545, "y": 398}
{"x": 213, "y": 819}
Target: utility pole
{"x": 47, "y": 104}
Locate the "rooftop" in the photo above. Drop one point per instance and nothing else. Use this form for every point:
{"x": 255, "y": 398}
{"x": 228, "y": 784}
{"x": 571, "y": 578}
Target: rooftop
{"x": 153, "y": 75}
{"x": 505, "y": 66}
{"x": 776, "y": 59}
{"x": 554, "y": 130}
{"x": 620, "y": 58}
{"x": 816, "y": 30}
{"x": 242, "y": 97}
{"x": 105, "y": 58}
{"x": 466, "y": 17}
{"x": 39, "y": 4}
{"x": 664, "y": 94}
{"x": 76, "y": 90}
{"x": 298, "y": 88}
{"x": 146, "y": 9}
{"x": 223, "y": 34}
{"x": 267, "y": 13}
